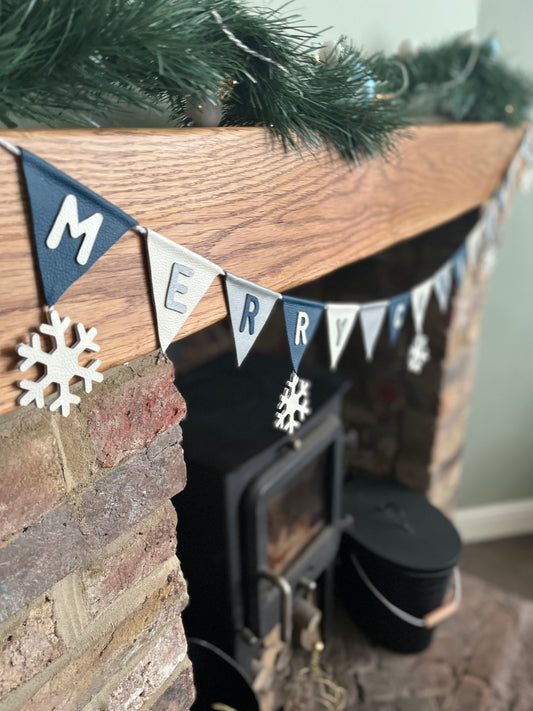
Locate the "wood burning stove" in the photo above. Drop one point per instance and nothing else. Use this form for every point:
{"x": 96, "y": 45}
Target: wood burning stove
{"x": 259, "y": 520}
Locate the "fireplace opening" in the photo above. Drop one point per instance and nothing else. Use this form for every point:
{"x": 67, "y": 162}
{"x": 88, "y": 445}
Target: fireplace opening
{"x": 259, "y": 521}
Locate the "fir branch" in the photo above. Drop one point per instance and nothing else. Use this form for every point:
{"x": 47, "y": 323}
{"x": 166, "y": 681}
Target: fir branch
{"x": 491, "y": 91}
{"x": 77, "y": 61}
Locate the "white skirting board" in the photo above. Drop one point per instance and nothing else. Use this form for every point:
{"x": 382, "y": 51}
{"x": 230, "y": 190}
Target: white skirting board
{"x": 502, "y": 520}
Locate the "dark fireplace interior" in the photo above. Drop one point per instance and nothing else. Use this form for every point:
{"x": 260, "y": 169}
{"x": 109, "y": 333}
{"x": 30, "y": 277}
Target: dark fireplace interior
{"x": 260, "y": 518}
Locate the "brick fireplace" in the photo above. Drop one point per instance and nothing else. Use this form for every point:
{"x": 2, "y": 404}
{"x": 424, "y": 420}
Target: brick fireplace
{"x": 91, "y": 590}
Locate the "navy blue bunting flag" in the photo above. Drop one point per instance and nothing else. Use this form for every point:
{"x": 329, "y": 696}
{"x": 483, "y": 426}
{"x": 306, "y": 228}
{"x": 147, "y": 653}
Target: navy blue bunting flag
{"x": 459, "y": 264}
{"x": 398, "y": 311}
{"x": 301, "y": 320}
{"x": 72, "y": 226}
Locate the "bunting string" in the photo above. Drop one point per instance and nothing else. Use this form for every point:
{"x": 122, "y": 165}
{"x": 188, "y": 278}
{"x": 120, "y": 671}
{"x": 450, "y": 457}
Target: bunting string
{"x": 73, "y": 227}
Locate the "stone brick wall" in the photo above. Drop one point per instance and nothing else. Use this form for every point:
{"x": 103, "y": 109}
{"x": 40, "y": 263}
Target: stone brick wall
{"x": 91, "y": 592}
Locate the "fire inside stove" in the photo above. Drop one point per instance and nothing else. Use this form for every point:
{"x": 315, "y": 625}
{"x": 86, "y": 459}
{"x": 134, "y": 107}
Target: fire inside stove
{"x": 296, "y": 516}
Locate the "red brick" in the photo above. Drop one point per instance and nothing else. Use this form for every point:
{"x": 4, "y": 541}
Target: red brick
{"x": 180, "y": 694}
{"x": 45, "y": 552}
{"x": 32, "y": 479}
{"x": 29, "y": 647}
{"x": 151, "y": 672}
{"x": 132, "y": 408}
{"x": 449, "y": 440}
{"x": 62, "y": 540}
{"x": 81, "y": 680}
{"x": 133, "y": 490}
{"x": 119, "y": 566}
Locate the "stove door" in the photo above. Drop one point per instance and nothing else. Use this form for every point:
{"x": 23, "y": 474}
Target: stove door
{"x": 290, "y": 521}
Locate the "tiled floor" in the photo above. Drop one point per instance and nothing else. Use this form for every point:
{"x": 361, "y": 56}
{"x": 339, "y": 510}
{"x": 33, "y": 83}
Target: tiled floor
{"x": 507, "y": 563}
{"x": 480, "y": 660}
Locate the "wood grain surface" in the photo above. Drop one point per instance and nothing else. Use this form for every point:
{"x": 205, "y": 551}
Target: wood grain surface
{"x": 235, "y": 198}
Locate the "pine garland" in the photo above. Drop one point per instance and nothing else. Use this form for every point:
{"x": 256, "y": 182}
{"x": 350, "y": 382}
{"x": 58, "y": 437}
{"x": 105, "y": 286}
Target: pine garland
{"x": 440, "y": 83}
{"x": 79, "y": 60}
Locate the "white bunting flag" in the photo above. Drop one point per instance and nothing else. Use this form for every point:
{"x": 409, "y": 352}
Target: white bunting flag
{"x": 371, "y": 317}
{"x": 340, "y": 321}
{"x": 442, "y": 285}
{"x": 180, "y": 278}
{"x": 249, "y": 307}
{"x": 473, "y": 244}
{"x": 420, "y": 297}
{"x": 490, "y": 219}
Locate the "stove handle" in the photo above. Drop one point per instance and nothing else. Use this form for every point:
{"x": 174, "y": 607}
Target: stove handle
{"x": 285, "y": 589}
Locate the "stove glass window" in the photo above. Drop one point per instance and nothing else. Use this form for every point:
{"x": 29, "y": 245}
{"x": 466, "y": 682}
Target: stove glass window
{"x": 297, "y": 514}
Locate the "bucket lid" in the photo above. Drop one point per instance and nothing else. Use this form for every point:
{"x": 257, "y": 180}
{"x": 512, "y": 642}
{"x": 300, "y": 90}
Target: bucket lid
{"x": 400, "y": 525}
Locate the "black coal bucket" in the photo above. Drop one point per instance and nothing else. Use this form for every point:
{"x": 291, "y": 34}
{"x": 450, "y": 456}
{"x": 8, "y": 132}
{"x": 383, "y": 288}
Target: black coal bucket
{"x": 219, "y": 681}
{"x": 397, "y": 561}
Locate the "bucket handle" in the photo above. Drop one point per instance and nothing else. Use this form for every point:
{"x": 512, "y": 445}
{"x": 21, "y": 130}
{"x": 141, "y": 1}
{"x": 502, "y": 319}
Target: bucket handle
{"x": 431, "y": 619}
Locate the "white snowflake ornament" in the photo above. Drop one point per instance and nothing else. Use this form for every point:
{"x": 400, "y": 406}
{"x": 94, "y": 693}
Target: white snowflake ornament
{"x": 61, "y": 364}
{"x": 294, "y": 405}
{"x": 418, "y": 354}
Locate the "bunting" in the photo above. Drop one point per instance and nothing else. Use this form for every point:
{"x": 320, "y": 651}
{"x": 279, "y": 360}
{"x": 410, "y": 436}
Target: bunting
{"x": 340, "y": 320}
{"x": 459, "y": 264}
{"x": 301, "y": 321}
{"x": 72, "y": 226}
{"x": 474, "y": 243}
{"x": 398, "y": 311}
{"x": 372, "y": 317}
{"x": 418, "y": 353}
{"x": 249, "y": 307}
{"x": 420, "y": 297}
{"x": 442, "y": 285}
{"x": 180, "y": 279}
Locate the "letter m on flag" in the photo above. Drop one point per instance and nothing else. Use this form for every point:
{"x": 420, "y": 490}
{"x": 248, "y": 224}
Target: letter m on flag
{"x": 58, "y": 202}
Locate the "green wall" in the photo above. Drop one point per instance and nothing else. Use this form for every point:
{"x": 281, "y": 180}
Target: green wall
{"x": 382, "y": 24}
{"x": 499, "y": 451}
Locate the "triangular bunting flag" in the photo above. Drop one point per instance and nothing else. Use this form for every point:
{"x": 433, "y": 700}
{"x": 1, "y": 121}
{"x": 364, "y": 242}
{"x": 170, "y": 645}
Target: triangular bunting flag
{"x": 502, "y": 195}
{"x": 72, "y": 226}
{"x": 420, "y": 297}
{"x": 371, "y": 318}
{"x": 473, "y": 244}
{"x": 398, "y": 310}
{"x": 301, "y": 321}
{"x": 442, "y": 284}
{"x": 180, "y": 278}
{"x": 526, "y": 148}
{"x": 459, "y": 265}
{"x": 249, "y": 307}
{"x": 341, "y": 321}
{"x": 490, "y": 219}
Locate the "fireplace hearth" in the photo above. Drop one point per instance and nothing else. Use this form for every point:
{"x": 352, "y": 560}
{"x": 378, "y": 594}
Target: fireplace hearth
{"x": 259, "y": 522}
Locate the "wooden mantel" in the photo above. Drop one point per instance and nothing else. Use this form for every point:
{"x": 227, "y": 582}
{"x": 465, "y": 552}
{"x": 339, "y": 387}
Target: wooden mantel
{"x": 229, "y": 194}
